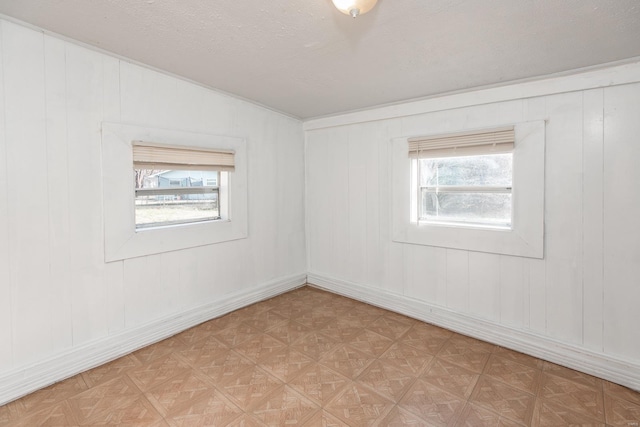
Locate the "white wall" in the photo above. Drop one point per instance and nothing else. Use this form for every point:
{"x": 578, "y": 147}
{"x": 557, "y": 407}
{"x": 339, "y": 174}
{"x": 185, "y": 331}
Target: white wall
{"x": 584, "y": 293}
{"x": 56, "y": 292}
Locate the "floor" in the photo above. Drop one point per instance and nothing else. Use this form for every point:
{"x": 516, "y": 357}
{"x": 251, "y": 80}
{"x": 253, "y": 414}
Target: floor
{"x": 312, "y": 358}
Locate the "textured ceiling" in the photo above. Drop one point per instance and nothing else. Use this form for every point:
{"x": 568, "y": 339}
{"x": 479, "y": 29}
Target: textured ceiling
{"x": 304, "y": 58}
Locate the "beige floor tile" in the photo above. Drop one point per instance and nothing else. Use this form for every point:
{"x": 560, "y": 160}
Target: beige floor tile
{"x": 467, "y": 353}
{"x": 286, "y": 363}
{"x": 450, "y": 377}
{"x": 399, "y": 417}
{"x": 213, "y": 409}
{"x": 347, "y": 360}
{"x": 319, "y": 383}
{"x": 476, "y": 416}
{"x": 341, "y": 330}
{"x": 197, "y": 333}
{"x": 226, "y": 364}
{"x": 426, "y": 338}
{"x": 236, "y": 334}
{"x": 504, "y": 400}
{"x": 289, "y": 331}
{"x": 114, "y": 393}
{"x": 56, "y": 415}
{"x": 202, "y": 353}
{"x": 521, "y": 358}
{"x": 620, "y": 392}
{"x": 407, "y": 358}
{"x": 574, "y": 396}
{"x": 570, "y": 374}
{"x": 358, "y": 406}
{"x": 315, "y": 344}
{"x": 249, "y": 386}
{"x": 620, "y": 412}
{"x": 158, "y": 350}
{"x": 386, "y": 380}
{"x": 51, "y": 395}
{"x": 432, "y": 404}
{"x": 138, "y": 412}
{"x": 265, "y": 320}
{"x": 260, "y": 347}
{"x": 370, "y": 342}
{"x": 179, "y": 391}
{"x": 324, "y": 419}
{"x": 158, "y": 371}
{"x": 110, "y": 370}
{"x": 390, "y": 328}
{"x": 552, "y": 414}
{"x": 283, "y": 406}
{"x": 312, "y": 358}
{"x": 514, "y": 374}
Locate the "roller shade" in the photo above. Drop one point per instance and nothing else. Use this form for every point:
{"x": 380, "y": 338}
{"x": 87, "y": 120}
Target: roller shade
{"x": 487, "y": 141}
{"x": 149, "y": 155}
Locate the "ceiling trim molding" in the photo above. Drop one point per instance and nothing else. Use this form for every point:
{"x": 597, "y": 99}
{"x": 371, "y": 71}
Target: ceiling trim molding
{"x": 605, "y": 75}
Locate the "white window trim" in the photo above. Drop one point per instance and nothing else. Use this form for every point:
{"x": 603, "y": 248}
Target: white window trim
{"x": 526, "y": 236}
{"x": 121, "y": 239}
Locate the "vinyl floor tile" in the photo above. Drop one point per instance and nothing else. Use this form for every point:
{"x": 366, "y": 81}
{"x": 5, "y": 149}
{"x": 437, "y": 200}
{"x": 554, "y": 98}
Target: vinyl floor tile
{"x": 311, "y": 358}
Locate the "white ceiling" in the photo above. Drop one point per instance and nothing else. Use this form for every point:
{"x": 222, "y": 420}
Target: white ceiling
{"x": 304, "y": 58}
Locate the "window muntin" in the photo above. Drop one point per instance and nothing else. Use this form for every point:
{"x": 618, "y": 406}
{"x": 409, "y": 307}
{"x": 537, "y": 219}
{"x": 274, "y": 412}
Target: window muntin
{"x": 159, "y": 202}
{"x": 466, "y": 190}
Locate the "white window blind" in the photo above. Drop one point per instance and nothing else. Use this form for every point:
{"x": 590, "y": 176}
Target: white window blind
{"x": 471, "y": 143}
{"x": 149, "y": 155}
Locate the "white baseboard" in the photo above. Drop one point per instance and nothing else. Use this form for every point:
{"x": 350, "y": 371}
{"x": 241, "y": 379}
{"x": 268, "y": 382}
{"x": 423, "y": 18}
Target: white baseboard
{"x": 619, "y": 371}
{"x": 26, "y": 379}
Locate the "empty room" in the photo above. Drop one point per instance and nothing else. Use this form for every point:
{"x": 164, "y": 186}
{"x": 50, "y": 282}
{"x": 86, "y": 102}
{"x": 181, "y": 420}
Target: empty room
{"x": 320, "y": 213}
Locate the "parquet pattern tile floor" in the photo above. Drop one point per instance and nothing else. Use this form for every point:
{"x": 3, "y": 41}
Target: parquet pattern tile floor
{"x": 311, "y": 358}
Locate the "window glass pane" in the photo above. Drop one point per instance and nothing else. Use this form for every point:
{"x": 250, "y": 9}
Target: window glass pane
{"x": 474, "y": 208}
{"x": 175, "y": 197}
{"x": 487, "y": 170}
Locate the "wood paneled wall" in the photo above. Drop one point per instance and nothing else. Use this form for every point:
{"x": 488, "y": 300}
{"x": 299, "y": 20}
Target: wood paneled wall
{"x": 584, "y": 292}
{"x": 56, "y": 292}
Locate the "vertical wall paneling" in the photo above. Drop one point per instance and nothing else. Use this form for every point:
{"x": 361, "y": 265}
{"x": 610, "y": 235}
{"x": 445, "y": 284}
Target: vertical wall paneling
{"x": 358, "y": 141}
{"x": 6, "y": 359}
{"x": 317, "y": 199}
{"x": 621, "y": 213}
{"x": 337, "y": 176}
{"x": 84, "y": 118}
{"x": 514, "y": 285}
{"x": 58, "y": 187}
{"x": 392, "y": 253}
{"x": 428, "y": 273}
{"x": 458, "y": 280}
{"x": 114, "y": 276}
{"x": 56, "y": 291}
{"x": 563, "y": 217}
{"x": 26, "y": 151}
{"x": 592, "y": 219}
{"x": 374, "y": 259}
{"x": 484, "y": 285}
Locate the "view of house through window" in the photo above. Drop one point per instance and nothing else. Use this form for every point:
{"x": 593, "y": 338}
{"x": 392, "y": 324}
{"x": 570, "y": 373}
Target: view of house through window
{"x": 466, "y": 190}
{"x": 170, "y": 197}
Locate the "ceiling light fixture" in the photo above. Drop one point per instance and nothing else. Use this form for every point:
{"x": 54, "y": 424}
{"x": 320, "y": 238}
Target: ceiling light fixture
{"x": 354, "y": 7}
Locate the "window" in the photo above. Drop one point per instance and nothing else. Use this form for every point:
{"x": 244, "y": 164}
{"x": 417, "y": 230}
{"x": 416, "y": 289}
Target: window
{"x": 479, "y": 190}
{"x": 464, "y": 179}
{"x": 161, "y": 200}
{"x": 194, "y": 159}
{"x": 168, "y": 184}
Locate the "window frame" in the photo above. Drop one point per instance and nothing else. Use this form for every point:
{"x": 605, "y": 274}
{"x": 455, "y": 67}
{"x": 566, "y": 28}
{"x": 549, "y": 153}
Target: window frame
{"x": 483, "y": 189}
{"x": 122, "y": 240}
{"x": 526, "y": 235}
